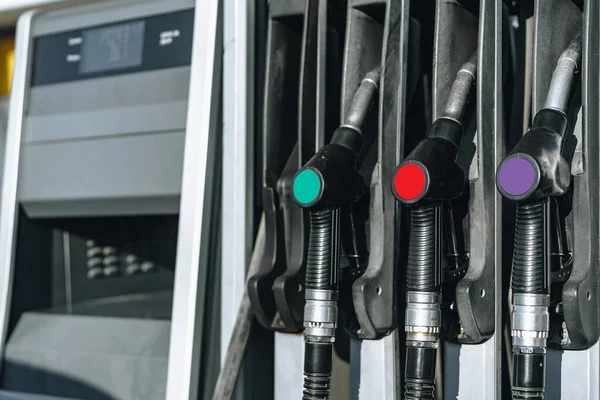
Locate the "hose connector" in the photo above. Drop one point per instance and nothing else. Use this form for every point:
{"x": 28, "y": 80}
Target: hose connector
{"x": 423, "y": 316}
{"x": 529, "y": 322}
{"x": 320, "y": 315}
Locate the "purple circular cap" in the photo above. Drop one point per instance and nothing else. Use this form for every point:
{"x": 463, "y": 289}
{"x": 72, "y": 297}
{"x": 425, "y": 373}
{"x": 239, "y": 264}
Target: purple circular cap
{"x": 516, "y": 176}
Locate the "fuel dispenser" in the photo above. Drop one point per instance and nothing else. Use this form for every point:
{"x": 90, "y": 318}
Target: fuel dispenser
{"x": 367, "y": 292}
{"x": 554, "y": 304}
{"x": 302, "y": 80}
{"x": 453, "y": 285}
{"x": 351, "y": 247}
{"x": 422, "y": 203}
{"x": 95, "y": 280}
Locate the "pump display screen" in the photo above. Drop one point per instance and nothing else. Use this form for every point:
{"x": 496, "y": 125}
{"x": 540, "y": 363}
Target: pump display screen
{"x": 111, "y": 48}
{"x": 114, "y": 49}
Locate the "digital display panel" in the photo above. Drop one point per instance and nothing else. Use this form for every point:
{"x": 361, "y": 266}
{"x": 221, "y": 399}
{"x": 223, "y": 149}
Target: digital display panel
{"x": 112, "y": 48}
{"x": 119, "y": 48}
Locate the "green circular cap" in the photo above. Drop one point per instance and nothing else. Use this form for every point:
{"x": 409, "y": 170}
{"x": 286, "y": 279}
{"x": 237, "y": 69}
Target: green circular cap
{"x": 307, "y": 186}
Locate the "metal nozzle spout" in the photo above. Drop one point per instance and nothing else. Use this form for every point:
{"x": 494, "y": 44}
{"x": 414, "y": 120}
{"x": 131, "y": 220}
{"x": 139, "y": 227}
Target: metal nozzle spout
{"x": 362, "y": 99}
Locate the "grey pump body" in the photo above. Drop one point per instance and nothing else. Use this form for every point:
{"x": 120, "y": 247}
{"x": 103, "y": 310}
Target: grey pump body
{"x": 107, "y": 146}
{"x": 80, "y": 136}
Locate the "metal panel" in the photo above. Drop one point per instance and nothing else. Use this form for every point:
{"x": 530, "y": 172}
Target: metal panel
{"x": 72, "y": 171}
{"x": 74, "y": 353}
{"x": 310, "y": 133}
{"x": 190, "y": 278}
{"x": 102, "y": 12}
{"x": 24, "y": 396}
{"x": 379, "y": 363}
{"x": 379, "y": 374}
{"x": 3, "y": 126}
{"x": 191, "y": 266}
{"x": 289, "y": 362}
{"x": 580, "y": 370}
{"x": 151, "y": 87}
{"x": 579, "y": 375}
{"x": 8, "y": 201}
{"x": 486, "y": 358}
{"x": 111, "y": 121}
{"x": 378, "y": 33}
{"x": 238, "y": 139}
{"x": 285, "y": 8}
{"x": 141, "y": 114}
{"x": 481, "y": 363}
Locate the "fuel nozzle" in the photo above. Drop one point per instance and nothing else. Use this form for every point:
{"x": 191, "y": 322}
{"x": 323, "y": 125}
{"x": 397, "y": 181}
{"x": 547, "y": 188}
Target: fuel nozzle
{"x": 532, "y": 175}
{"x": 328, "y": 181}
{"x": 428, "y": 178}
{"x": 430, "y": 173}
{"x": 536, "y": 168}
{"x": 330, "y": 178}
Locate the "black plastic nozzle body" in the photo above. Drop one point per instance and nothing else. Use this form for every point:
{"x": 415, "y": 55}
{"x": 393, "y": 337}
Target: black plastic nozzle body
{"x": 436, "y": 155}
{"x": 335, "y": 164}
{"x": 542, "y": 147}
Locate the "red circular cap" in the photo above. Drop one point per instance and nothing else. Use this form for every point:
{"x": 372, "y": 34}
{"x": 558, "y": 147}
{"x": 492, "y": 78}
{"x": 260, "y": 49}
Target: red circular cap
{"x": 409, "y": 181}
